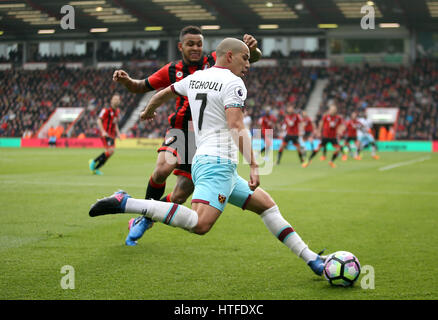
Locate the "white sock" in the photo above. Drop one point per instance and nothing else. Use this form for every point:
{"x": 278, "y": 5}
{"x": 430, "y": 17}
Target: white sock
{"x": 165, "y": 212}
{"x": 283, "y": 231}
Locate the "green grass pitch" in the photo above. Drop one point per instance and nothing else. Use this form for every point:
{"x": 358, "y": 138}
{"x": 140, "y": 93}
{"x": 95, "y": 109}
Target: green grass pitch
{"x": 388, "y": 219}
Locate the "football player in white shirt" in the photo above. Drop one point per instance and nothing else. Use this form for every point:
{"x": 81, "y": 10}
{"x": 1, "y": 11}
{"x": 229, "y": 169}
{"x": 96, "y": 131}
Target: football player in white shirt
{"x": 366, "y": 138}
{"x": 216, "y": 98}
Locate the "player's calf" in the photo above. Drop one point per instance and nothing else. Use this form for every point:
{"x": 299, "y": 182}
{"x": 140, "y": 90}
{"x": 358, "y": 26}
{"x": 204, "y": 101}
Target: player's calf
{"x": 168, "y": 213}
{"x": 183, "y": 189}
{"x": 262, "y": 204}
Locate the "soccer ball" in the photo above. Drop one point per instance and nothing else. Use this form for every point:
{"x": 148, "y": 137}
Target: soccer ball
{"x": 342, "y": 268}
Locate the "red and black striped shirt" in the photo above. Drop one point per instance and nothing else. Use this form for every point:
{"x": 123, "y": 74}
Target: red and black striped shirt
{"x": 171, "y": 73}
{"x": 109, "y": 117}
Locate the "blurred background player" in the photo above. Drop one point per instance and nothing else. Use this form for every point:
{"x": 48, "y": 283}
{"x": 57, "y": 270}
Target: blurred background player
{"x": 267, "y": 122}
{"x": 309, "y": 129}
{"x": 329, "y": 129}
{"x": 181, "y": 148}
{"x": 109, "y": 129}
{"x": 351, "y": 127}
{"x": 324, "y": 148}
{"x": 293, "y": 123}
{"x": 366, "y": 138}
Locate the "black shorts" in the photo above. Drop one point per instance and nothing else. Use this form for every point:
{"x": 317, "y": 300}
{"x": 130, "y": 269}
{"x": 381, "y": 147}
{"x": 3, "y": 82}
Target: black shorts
{"x": 333, "y": 141}
{"x": 181, "y": 143}
{"x": 294, "y": 139}
{"x": 349, "y": 139}
{"x": 307, "y": 135}
{"x": 108, "y": 142}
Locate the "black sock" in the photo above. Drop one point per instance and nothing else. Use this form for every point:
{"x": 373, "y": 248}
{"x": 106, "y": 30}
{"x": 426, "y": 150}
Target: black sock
{"x": 166, "y": 198}
{"x": 280, "y": 153}
{"x": 314, "y": 152}
{"x": 335, "y": 155}
{"x": 100, "y": 160}
{"x": 155, "y": 190}
{"x": 300, "y": 155}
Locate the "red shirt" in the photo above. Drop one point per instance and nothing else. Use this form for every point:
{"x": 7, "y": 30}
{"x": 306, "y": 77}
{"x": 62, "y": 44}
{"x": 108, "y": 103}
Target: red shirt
{"x": 109, "y": 117}
{"x": 267, "y": 122}
{"x": 292, "y": 122}
{"x": 330, "y": 125}
{"x": 171, "y": 73}
{"x": 352, "y": 127}
{"x": 308, "y": 124}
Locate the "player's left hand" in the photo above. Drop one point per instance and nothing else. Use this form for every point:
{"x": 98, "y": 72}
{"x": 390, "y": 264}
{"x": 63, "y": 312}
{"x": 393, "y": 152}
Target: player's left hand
{"x": 250, "y": 41}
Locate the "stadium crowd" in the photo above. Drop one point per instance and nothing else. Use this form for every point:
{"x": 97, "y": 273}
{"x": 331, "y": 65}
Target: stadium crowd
{"x": 14, "y": 56}
{"x": 27, "y": 98}
{"x": 413, "y": 89}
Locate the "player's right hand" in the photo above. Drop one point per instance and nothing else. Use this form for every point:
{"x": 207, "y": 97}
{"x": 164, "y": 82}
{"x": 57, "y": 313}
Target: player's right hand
{"x": 120, "y": 76}
{"x": 147, "y": 115}
{"x": 254, "y": 179}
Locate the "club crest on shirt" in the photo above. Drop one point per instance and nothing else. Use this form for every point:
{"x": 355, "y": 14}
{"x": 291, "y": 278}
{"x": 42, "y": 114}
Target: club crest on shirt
{"x": 179, "y": 74}
{"x": 221, "y": 198}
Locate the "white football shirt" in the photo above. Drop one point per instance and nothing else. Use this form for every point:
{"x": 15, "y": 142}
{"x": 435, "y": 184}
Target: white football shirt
{"x": 365, "y": 125}
{"x": 210, "y": 92}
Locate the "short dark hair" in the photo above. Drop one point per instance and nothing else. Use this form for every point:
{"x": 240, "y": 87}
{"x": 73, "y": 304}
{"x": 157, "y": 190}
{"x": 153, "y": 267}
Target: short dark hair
{"x": 189, "y": 30}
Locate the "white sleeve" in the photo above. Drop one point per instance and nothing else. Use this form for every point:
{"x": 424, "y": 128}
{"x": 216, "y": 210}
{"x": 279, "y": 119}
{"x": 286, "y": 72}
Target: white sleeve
{"x": 102, "y": 113}
{"x": 181, "y": 87}
{"x": 234, "y": 94}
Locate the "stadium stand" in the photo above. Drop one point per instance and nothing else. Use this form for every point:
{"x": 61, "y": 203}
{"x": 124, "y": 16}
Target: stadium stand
{"x": 28, "y": 98}
{"x": 413, "y": 89}
{"x": 27, "y": 102}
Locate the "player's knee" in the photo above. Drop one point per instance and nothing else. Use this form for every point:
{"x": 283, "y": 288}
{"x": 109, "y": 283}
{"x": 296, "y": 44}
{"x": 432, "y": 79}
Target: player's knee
{"x": 267, "y": 204}
{"x": 202, "y": 228}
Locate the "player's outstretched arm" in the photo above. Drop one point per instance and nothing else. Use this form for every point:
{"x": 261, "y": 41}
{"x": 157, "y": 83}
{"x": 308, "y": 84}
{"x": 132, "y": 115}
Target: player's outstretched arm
{"x": 243, "y": 141}
{"x": 156, "y": 101}
{"x": 133, "y": 85}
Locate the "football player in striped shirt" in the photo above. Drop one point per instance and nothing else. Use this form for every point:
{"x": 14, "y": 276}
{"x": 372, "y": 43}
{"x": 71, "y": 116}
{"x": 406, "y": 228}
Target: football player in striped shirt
{"x": 109, "y": 128}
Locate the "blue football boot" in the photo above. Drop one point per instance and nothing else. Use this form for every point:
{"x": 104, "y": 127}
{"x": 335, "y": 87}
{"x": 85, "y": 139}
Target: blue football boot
{"x": 137, "y": 227}
{"x": 317, "y": 265}
{"x": 91, "y": 165}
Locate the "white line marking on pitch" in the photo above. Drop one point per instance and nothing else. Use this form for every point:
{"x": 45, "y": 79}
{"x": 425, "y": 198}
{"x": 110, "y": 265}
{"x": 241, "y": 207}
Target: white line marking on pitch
{"x": 430, "y": 193}
{"x": 406, "y": 163}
